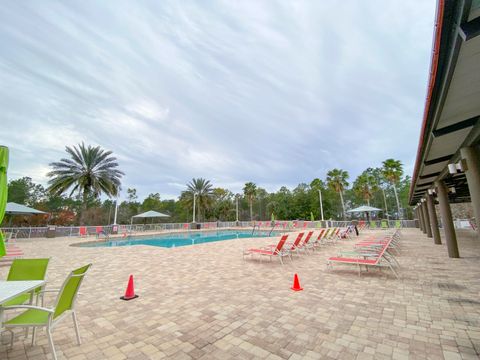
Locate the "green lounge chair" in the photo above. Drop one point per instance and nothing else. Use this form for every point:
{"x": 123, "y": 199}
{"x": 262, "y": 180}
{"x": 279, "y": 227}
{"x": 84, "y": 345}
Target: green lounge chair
{"x": 26, "y": 269}
{"x": 373, "y": 224}
{"x": 384, "y": 224}
{"x": 36, "y": 316}
{"x": 398, "y": 224}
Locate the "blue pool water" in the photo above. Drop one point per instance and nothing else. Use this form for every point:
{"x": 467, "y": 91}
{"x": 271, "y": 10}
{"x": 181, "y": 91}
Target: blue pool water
{"x": 182, "y": 239}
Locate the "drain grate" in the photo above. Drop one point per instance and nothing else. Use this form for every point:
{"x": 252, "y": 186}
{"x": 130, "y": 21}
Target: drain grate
{"x": 451, "y": 286}
{"x": 463, "y": 301}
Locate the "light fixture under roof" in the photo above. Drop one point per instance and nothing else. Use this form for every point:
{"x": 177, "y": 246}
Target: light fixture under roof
{"x": 461, "y": 166}
{"x": 452, "y": 168}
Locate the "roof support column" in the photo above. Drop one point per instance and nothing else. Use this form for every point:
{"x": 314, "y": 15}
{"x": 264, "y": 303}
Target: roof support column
{"x": 447, "y": 221}
{"x": 419, "y": 220}
{"x": 426, "y": 216}
{"x": 433, "y": 220}
{"x": 422, "y": 216}
{"x": 472, "y": 157}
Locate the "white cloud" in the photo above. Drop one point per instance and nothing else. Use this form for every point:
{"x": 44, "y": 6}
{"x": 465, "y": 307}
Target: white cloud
{"x": 271, "y": 92}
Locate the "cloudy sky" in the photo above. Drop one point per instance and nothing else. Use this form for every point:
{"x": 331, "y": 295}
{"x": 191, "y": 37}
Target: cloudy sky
{"x": 274, "y": 92}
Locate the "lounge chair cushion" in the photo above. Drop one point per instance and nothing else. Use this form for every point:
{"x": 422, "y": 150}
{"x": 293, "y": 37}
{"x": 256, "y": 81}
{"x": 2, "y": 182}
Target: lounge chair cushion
{"x": 353, "y": 260}
{"x": 261, "y": 251}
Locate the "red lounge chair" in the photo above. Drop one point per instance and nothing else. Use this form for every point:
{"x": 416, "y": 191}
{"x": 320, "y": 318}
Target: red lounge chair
{"x": 336, "y": 233}
{"x": 472, "y": 224}
{"x": 277, "y": 251}
{"x": 11, "y": 252}
{"x": 295, "y": 245}
{"x": 305, "y": 244}
{"x": 83, "y": 231}
{"x": 361, "y": 225}
{"x": 391, "y": 243}
{"x": 318, "y": 240}
{"x": 344, "y": 233}
{"x": 366, "y": 260}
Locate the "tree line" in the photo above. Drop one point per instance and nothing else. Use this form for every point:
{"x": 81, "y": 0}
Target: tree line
{"x": 78, "y": 183}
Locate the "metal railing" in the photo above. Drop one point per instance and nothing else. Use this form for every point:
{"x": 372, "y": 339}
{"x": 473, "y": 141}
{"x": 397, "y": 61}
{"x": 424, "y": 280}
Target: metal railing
{"x": 277, "y": 225}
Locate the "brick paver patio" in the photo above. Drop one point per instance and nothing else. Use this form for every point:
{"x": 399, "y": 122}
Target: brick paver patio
{"x": 205, "y": 302}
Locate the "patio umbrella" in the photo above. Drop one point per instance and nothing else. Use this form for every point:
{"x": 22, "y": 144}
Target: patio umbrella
{"x": 150, "y": 214}
{"x": 366, "y": 209}
{"x": 19, "y": 209}
{"x": 3, "y": 192}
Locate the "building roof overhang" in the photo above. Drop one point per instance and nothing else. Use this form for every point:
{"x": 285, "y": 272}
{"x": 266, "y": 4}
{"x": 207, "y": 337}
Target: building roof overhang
{"x": 452, "y": 108}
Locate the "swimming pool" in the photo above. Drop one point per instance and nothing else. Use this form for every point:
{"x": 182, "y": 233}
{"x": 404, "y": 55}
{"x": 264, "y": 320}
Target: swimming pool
{"x": 182, "y": 239}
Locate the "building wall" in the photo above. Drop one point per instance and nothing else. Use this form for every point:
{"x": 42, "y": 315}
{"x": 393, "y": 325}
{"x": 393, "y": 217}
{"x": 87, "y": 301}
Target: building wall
{"x": 459, "y": 211}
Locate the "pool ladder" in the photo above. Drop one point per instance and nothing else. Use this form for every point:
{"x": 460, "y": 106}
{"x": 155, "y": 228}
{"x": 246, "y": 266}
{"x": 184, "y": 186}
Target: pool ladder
{"x": 256, "y": 226}
{"x": 271, "y": 230}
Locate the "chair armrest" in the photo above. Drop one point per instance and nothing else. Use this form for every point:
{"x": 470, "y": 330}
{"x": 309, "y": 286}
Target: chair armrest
{"x": 29, "y": 307}
{"x": 55, "y": 290}
{"x": 50, "y": 290}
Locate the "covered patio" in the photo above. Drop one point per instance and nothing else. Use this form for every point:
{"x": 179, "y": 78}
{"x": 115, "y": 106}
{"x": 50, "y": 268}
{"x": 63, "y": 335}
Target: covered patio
{"x": 447, "y": 168}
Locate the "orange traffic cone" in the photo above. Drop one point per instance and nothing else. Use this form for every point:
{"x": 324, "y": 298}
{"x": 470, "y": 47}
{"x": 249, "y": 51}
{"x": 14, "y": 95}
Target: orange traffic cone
{"x": 296, "y": 284}
{"x": 130, "y": 292}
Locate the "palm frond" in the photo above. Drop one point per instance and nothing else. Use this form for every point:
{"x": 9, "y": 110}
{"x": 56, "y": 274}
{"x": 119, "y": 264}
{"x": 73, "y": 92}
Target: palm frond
{"x": 90, "y": 170}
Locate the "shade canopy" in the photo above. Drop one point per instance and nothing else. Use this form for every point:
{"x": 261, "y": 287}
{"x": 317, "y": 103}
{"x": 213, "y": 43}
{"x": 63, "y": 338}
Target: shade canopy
{"x": 19, "y": 209}
{"x": 364, "y": 208}
{"x": 3, "y": 191}
{"x": 150, "y": 214}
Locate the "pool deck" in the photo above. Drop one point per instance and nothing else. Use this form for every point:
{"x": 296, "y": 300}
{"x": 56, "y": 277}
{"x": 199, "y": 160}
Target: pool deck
{"x": 206, "y": 302}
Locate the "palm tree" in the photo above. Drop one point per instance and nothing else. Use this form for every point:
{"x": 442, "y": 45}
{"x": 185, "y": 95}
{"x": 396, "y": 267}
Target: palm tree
{"x": 337, "y": 181}
{"x": 202, "y": 190}
{"x": 364, "y": 186}
{"x": 379, "y": 181}
{"x": 90, "y": 170}
{"x": 250, "y": 190}
{"x": 393, "y": 171}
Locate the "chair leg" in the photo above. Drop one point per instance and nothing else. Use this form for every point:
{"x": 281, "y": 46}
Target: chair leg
{"x": 75, "y": 323}
{"x": 34, "y": 333}
{"x": 50, "y": 342}
{"x": 11, "y": 338}
{"x": 394, "y": 272}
